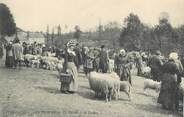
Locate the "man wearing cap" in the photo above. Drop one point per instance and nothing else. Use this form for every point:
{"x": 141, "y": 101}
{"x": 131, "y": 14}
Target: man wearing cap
{"x": 155, "y": 64}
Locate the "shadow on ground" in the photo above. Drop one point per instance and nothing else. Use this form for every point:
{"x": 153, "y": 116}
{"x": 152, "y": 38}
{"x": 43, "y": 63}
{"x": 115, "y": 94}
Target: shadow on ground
{"x": 52, "y": 90}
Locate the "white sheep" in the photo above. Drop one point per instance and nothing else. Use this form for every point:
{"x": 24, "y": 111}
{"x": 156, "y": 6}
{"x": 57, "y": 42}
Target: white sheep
{"x": 35, "y": 63}
{"x": 146, "y": 71}
{"x": 28, "y": 58}
{"x": 105, "y": 84}
{"x": 150, "y": 84}
{"x": 50, "y": 62}
{"x": 59, "y": 66}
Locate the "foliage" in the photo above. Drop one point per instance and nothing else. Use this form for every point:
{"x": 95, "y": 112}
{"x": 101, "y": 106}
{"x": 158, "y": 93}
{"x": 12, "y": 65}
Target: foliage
{"x": 7, "y": 24}
{"x": 133, "y": 35}
{"x": 132, "y": 32}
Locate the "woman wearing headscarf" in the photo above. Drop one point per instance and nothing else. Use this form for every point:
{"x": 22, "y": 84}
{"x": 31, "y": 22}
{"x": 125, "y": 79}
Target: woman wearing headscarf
{"x": 123, "y": 66}
{"x": 168, "y": 96}
{"x": 9, "y": 55}
{"x": 70, "y": 68}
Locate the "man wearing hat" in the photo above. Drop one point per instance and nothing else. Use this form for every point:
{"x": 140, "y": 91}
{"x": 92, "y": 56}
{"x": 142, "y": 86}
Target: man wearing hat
{"x": 103, "y": 64}
{"x": 155, "y": 64}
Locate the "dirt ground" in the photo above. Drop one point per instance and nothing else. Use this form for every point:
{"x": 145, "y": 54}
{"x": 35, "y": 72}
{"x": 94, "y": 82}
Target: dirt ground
{"x": 31, "y": 92}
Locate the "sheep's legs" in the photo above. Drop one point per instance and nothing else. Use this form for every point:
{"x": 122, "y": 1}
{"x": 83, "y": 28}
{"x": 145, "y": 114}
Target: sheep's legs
{"x": 145, "y": 90}
{"x": 117, "y": 95}
{"x": 129, "y": 95}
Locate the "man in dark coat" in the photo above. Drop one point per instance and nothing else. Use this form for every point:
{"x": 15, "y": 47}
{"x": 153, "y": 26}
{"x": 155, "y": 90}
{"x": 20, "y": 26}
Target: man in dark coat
{"x": 104, "y": 59}
{"x": 155, "y": 64}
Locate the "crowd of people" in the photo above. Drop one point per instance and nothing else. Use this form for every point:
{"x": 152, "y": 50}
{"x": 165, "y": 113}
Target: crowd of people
{"x": 14, "y": 54}
{"x": 167, "y": 70}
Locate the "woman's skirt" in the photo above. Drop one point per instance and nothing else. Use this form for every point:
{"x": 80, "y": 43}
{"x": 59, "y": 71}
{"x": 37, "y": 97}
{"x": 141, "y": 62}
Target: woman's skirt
{"x": 9, "y": 61}
{"x": 88, "y": 66}
{"x": 168, "y": 92}
{"x": 73, "y": 85}
{"x": 103, "y": 65}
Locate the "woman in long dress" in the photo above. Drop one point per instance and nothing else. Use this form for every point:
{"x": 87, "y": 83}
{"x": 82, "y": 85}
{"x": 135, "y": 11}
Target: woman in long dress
{"x": 168, "y": 96}
{"x": 69, "y": 67}
{"x": 9, "y": 56}
{"x": 123, "y": 66}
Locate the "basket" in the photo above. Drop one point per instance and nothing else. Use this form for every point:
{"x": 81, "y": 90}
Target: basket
{"x": 65, "y": 78}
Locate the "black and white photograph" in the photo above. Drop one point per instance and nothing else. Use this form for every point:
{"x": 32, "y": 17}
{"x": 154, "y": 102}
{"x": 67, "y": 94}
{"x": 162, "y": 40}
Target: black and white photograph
{"x": 91, "y": 58}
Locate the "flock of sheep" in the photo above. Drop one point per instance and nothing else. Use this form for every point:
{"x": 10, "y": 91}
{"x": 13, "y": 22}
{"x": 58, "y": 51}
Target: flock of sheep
{"x": 45, "y": 62}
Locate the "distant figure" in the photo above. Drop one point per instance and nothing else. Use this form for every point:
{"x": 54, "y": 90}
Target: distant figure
{"x": 34, "y": 48}
{"x": 139, "y": 64}
{"x": 88, "y": 61}
{"x": 44, "y": 50}
{"x": 104, "y": 59}
{"x": 25, "y": 48}
{"x": 96, "y": 53}
{"x": 78, "y": 57}
{"x": 17, "y": 53}
{"x": 1, "y": 50}
{"x": 169, "y": 96}
{"x": 155, "y": 63}
{"x": 9, "y": 56}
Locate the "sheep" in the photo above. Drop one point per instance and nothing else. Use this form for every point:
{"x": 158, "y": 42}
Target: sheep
{"x": 49, "y": 62}
{"x": 126, "y": 87}
{"x": 31, "y": 60}
{"x": 59, "y": 66}
{"x": 146, "y": 71}
{"x": 28, "y": 58}
{"x": 150, "y": 84}
{"x": 35, "y": 63}
{"x": 105, "y": 84}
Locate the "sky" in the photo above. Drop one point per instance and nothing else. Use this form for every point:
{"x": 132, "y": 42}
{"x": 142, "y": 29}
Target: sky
{"x": 35, "y": 15}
